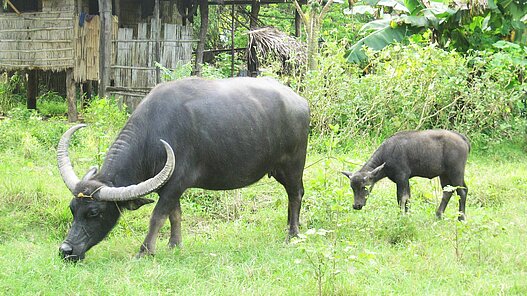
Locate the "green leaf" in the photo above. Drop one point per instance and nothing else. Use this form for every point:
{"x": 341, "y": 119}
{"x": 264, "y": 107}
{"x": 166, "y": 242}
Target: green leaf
{"x": 414, "y": 6}
{"x": 492, "y": 4}
{"x": 416, "y": 21}
{"x": 379, "y": 40}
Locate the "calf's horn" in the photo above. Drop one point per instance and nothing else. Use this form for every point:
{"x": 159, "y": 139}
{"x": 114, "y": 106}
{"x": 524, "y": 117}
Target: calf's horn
{"x": 65, "y": 167}
{"x": 135, "y": 191}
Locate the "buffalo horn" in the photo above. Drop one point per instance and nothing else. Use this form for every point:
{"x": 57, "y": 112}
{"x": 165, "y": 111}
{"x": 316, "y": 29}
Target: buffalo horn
{"x": 135, "y": 191}
{"x": 65, "y": 167}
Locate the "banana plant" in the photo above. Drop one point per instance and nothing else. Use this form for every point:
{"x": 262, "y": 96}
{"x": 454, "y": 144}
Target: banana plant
{"x": 447, "y": 19}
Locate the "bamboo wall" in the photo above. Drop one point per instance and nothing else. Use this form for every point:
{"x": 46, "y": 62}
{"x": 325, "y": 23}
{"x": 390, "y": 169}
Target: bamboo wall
{"x": 41, "y": 40}
{"x": 87, "y": 48}
{"x": 133, "y": 67}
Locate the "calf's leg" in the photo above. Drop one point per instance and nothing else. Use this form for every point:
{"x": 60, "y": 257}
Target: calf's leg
{"x": 403, "y": 194}
{"x": 462, "y": 192}
{"x": 444, "y": 180}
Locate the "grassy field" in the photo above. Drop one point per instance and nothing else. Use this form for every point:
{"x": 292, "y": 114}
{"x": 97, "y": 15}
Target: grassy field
{"x": 234, "y": 242}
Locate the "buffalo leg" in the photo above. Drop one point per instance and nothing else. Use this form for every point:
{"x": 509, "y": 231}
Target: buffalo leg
{"x": 446, "y": 197}
{"x": 164, "y": 207}
{"x": 403, "y": 194}
{"x": 462, "y": 192}
{"x": 175, "y": 226}
{"x": 294, "y": 195}
{"x": 295, "y": 191}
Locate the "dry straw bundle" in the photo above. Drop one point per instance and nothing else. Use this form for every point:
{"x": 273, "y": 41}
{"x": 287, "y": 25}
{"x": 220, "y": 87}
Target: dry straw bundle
{"x": 270, "y": 44}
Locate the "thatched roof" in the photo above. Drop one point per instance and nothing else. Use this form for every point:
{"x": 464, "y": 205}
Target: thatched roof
{"x": 272, "y": 44}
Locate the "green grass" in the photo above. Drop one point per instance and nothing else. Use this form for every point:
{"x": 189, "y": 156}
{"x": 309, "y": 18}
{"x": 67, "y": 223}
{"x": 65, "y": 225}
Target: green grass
{"x": 234, "y": 241}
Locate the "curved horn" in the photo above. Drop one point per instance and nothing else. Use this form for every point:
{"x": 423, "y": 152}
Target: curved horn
{"x": 65, "y": 167}
{"x": 135, "y": 191}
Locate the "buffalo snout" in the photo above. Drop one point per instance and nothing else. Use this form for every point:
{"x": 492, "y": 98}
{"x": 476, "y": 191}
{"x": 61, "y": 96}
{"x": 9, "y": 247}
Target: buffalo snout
{"x": 357, "y": 207}
{"x": 66, "y": 252}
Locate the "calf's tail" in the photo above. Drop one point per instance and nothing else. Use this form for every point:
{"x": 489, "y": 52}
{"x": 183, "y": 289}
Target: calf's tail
{"x": 464, "y": 139}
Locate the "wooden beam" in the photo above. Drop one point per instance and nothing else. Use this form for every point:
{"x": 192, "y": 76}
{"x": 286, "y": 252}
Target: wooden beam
{"x": 252, "y": 60}
{"x": 298, "y": 24}
{"x": 204, "y": 13}
{"x": 13, "y": 7}
{"x": 32, "y": 89}
{"x": 70, "y": 96}
{"x": 157, "y": 38}
{"x": 233, "y": 28}
{"x": 105, "y": 41}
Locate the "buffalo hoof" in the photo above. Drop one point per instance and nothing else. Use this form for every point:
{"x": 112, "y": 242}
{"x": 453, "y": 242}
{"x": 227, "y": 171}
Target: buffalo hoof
{"x": 143, "y": 254}
{"x": 172, "y": 245}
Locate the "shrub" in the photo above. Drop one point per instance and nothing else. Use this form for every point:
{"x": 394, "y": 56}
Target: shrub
{"x": 416, "y": 87}
{"x": 10, "y": 87}
{"x": 52, "y": 104}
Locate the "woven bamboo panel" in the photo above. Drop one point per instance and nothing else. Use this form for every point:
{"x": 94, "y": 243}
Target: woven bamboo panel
{"x": 87, "y": 47}
{"x": 134, "y": 70}
{"x": 37, "y": 41}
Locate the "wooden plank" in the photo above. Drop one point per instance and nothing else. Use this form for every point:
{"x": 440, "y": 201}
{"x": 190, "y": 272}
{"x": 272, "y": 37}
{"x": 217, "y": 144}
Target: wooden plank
{"x": 32, "y": 89}
{"x": 105, "y": 51}
{"x": 70, "y": 96}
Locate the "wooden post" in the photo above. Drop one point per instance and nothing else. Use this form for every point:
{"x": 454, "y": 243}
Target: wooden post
{"x": 233, "y": 28}
{"x": 204, "y": 13}
{"x": 117, "y": 8}
{"x": 157, "y": 45}
{"x": 87, "y": 93}
{"x": 298, "y": 21}
{"x": 32, "y": 89}
{"x": 252, "y": 59}
{"x": 105, "y": 45}
{"x": 70, "y": 96}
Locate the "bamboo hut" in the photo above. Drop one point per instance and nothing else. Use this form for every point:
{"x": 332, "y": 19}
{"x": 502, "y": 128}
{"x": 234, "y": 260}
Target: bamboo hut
{"x": 116, "y": 48}
{"x": 111, "y": 44}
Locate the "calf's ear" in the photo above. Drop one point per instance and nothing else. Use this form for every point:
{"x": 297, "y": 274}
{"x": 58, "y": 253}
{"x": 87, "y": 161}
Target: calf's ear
{"x": 134, "y": 204}
{"x": 347, "y": 174}
{"x": 377, "y": 170}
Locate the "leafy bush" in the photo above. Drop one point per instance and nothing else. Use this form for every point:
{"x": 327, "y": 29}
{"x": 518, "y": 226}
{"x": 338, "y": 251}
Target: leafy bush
{"x": 9, "y": 98}
{"x": 24, "y": 130}
{"x": 106, "y": 113}
{"x": 106, "y": 118}
{"x": 52, "y": 104}
{"x": 415, "y": 87}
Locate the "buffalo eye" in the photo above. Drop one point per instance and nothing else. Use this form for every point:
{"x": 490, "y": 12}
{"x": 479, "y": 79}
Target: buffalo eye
{"x": 93, "y": 213}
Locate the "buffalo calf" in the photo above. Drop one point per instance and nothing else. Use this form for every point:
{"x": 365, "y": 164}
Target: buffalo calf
{"x": 428, "y": 154}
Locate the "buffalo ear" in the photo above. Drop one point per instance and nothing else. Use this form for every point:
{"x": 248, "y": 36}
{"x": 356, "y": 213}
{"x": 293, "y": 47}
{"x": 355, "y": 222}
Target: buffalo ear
{"x": 347, "y": 174}
{"x": 377, "y": 170}
{"x": 90, "y": 173}
{"x": 134, "y": 204}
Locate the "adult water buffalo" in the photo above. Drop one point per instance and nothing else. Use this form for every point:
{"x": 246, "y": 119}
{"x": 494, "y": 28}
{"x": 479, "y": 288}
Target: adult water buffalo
{"x": 215, "y": 134}
{"x": 428, "y": 154}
